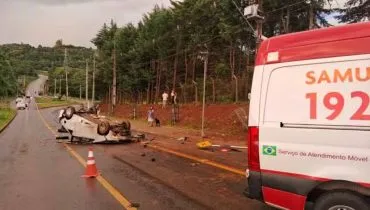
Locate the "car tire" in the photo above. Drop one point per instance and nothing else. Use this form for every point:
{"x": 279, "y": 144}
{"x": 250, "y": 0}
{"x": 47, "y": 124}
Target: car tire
{"x": 341, "y": 200}
{"x": 69, "y": 112}
{"x": 125, "y": 125}
{"x": 103, "y": 128}
{"x": 93, "y": 110}
{"x": 62, "y": 115}
{"x": 128, "y": 125}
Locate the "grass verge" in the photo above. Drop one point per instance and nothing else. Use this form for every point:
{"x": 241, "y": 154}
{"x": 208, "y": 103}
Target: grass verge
{"x": 48, "y": 102}
{"x": 6, "y": 115}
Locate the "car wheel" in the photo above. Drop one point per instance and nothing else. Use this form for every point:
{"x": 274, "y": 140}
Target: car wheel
{"x": 124, "y": 125}
{"x": 341, "y": 201}
{"x": 103, "y": 128}
{"x": 128, "y": 125}
{"x": 92, "y": 110}
{"x": 70, "y": 111}
{"x": 61, "y": 114}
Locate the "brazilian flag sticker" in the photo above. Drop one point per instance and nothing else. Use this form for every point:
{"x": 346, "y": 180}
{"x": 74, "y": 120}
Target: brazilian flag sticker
{"x": 269, "y": 150}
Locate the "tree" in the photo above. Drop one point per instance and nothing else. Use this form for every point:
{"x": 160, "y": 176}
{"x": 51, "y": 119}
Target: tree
{"x": 161, "y": 51}
{"x": 8, "y": 83}
{"x": 354, "y": 11}
{"x": 58, "y": 43}
{"x": 19, "y": 60}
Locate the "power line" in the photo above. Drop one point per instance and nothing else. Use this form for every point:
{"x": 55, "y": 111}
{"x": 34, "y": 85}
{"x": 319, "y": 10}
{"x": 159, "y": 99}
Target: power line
{"x": 289, "y": 5}
{"x": 246, "y": 20}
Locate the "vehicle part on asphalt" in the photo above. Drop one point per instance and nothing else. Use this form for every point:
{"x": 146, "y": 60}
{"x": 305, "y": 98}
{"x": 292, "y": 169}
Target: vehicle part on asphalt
{"x": 135, "y": 205}
{"x": 62, "y": 137}
{"x": 85, "y": 127}
{"x": 93, "y": 110}
{"x": 69, "y": 112}
{"x": 103, "y": 128}
{"x": 62, "y": 130}
{"x": 183, "y": 139}
{"x": 122, "y": 129}
{"x": 138, "y": 137}
{"x": 205, "y": 144}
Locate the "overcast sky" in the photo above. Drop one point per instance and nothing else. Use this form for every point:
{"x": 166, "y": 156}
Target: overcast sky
{"x": 75, "y": 21}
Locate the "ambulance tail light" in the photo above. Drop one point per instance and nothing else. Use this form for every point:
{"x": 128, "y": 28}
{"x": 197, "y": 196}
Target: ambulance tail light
{"x": 253, "y": 149}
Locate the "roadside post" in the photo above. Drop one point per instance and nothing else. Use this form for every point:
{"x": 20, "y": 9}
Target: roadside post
{"x": 204, "y": 56}
{"x": 134, "y": 112}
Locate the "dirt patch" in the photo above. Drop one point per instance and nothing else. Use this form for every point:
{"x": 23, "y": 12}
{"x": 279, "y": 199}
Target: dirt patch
{"x": 222, "y": 121}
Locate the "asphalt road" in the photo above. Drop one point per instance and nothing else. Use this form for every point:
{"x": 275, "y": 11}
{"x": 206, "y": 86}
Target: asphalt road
{"x": 39, "y": 173}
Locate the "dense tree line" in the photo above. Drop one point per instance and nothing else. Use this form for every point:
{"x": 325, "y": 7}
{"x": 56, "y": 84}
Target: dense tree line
{"x": 163, "y": 51}
{"x": 7, "y": 79}
{"x": 18, "y": 60}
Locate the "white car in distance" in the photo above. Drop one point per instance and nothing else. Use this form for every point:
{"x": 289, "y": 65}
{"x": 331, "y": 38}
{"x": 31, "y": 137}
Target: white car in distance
{"x": 21, "y": 104}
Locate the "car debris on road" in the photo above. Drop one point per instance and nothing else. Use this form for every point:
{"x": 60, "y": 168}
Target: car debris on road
{"x": 206, "y": 144}
{"x": 86, "y": 127}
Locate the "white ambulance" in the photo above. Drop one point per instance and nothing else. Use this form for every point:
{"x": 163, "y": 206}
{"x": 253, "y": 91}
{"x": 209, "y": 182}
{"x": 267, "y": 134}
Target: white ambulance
{"x": 309, "y": 120}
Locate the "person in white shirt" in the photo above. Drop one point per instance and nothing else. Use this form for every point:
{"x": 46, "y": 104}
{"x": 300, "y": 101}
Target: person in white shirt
{"x": 164, "y": 99}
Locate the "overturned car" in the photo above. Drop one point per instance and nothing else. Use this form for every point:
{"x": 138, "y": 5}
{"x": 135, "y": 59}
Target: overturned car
{"x": 86, "y": 126}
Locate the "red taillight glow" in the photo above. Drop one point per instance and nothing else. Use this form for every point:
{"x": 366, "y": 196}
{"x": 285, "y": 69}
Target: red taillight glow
{"x": 253, "y": 149}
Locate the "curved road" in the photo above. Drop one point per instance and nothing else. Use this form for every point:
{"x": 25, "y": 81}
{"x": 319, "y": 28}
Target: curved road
{"x": 39, "y": 173}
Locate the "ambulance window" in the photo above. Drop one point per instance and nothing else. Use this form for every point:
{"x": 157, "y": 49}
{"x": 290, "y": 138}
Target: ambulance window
{"x": 327, "y": 93}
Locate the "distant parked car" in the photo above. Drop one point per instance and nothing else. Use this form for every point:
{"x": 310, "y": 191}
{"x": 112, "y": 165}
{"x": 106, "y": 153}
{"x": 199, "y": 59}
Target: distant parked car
{"x": 21, "y": 104}
{"x": 19, "y": 99}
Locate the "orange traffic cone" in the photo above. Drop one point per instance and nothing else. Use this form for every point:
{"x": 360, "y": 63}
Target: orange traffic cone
{"x": 91, "y": 170}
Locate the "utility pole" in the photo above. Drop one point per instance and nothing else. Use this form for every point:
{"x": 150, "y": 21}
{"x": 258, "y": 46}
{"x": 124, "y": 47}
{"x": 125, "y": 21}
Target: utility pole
{"x": 65, "y": 69}
{"x": 176, "y": 58}
{"x": 205, "y": 57}
{"x": 80, "y": 92}
{"x": 55, "y": 86}
{"x": 60, "y": 86}
{"x": 114, "y": 86}
{"x": 24, "y": 81}
{"x": 87, "y": 84}
{"x": 259, "y": 25}
{"x": 93, "y": 83}
{"x": 311, "y": 16}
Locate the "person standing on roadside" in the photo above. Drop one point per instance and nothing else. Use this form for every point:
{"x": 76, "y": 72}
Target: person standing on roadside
{"x": 151, "y": 116}
{"x": 173, "y": 96}
{"x": 164, "y": 99}
{"x": 175, "y": 99}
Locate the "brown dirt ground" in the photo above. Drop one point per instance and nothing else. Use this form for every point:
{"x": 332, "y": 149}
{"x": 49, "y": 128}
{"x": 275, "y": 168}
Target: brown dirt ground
{"x": 221, "y": 121}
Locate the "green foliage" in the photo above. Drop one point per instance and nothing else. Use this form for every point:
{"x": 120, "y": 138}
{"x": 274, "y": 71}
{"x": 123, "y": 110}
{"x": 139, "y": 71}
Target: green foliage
{"x": 76, "y": 77}
{"x": 161, "y": 50}
{"x": 166, "y": 38}
{"x": 6, "y": 114}
{"x": 47, "y": 102}
{"x": 8, "y": 82}
{"x": 296, "y": 12}
{"x": 221, "y": 69}
{"x": 354, "y": 11}
{"x": 18, "y": 60}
